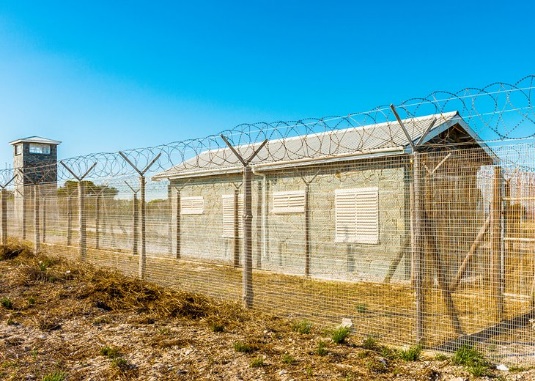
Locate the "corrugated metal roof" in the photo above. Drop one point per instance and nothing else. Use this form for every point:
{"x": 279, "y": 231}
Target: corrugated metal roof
{"x": 35, "y": 139}
{"x": 355, "y": 142}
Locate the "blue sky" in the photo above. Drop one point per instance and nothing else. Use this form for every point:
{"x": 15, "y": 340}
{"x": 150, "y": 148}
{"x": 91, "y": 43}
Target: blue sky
{"x": 112, "y": 75}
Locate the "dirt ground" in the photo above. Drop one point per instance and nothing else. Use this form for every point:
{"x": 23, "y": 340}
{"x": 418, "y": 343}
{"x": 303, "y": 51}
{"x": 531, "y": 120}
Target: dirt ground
{"x": 62, "y": 320}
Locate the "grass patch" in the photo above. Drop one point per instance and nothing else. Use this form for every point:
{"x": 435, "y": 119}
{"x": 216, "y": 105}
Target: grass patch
{"x": 257, "y": 362}
{"x": 303, "y": 327}
{"x": 6, "y": 303}
{"x": 321, "y": 350}
{"x": 110, "y": 352}
{"x": 242, "y": 347}
{"x": 340, "y": 334}
{"x": 119, "y": 363}
{"x": 472, "y": 359}
{"x": 288, "y": 359}
{"x": 411, "y": 354}
{"x": 370, "y": 343}
{"x": 55, "y": 376}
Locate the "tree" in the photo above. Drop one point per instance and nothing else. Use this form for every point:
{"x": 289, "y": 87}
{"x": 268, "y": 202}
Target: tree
{"x": 91, "y": 189}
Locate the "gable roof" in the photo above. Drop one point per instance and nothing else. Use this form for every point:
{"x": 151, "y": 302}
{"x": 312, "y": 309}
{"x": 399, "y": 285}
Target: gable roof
{"x": 35, "y": 139}
{"x": 382, "y": 139}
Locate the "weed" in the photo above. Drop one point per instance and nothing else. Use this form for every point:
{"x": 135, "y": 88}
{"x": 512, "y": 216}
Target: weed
{"x": 388, "y": 353}
{"x": 370, "y": 343}
{"x": 288, "y": 359}
{"x": 377, "y": 365}
{"x": 322, "y": 348}
{"x": 110, "y": 352}
{"x": 303, "y": 327}
{"x": 56, "y": 376}
{"x": 362, "y": 308}
{"x": 120, "y": 363}
{"x": 31, "y": 301}
{"x": 441, "y": 357}
{"x": 243, "y": 347}
{"x": 472, "y": 359}
{"x": 340, "y": 334}
{"x": 6, "y": 303}
{"x": 11, "y": 321}
{"x": 411, "y": 354}
{"x": 257, "y": 362}
{"x": 101, "y": 320}
{"x": 217, "y": 327}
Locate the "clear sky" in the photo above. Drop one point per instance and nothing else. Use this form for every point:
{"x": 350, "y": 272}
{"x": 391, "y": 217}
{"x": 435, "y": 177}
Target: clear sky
{"x": 111, "y": 75}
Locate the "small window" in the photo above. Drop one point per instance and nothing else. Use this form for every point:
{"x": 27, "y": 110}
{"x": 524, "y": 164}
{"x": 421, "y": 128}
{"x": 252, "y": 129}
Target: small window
{"x": 357, "y": 215}
{"x": 230, "y": 216}
{"x": 288, "y": 202}
{"x": 42, "y": 149}
{"x": 192, "y": 205}
{"x": 18, "y": 149}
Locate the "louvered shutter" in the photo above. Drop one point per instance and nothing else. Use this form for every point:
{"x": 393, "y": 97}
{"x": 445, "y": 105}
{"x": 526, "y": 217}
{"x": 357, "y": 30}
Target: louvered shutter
{"x": 288, "y": 202}
{"x": 192, "y": 205}
{"x": 357, "y": 215}
{"x": 228, "y": 215}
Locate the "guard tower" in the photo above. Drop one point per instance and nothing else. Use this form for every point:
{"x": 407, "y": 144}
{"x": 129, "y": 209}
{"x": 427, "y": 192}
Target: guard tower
{"x": 35, "y": 163}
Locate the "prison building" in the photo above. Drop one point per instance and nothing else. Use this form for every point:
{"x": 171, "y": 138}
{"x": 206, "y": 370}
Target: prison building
{"x": 335, "y": 204}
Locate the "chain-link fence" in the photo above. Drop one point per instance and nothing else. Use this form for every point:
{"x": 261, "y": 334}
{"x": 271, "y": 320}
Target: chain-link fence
{"x": 419, "y": 228}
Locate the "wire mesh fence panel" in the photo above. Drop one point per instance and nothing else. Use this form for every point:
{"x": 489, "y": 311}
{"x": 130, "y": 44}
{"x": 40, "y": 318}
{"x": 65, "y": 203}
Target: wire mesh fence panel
{"x": 418, "y": 228}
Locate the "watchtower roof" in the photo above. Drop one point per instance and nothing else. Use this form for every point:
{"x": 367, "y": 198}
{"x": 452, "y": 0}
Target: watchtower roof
{"x": 35, "y": 139}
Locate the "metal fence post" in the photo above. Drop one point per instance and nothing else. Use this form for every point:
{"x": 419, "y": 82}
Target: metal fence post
{"x": 142, "y": 183}
{"x": 3, "y": 195}
{"x": 247, "y": 281}
{"x": 82, "y": 222}
{"x": 36, "y": 227}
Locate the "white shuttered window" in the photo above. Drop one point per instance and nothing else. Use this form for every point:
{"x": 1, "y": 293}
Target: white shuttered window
{"x": 192, "y": 205}
{"x": 228, "y": 215}
{"x": 288, "y": 202}
{"x": 357, "y": 215}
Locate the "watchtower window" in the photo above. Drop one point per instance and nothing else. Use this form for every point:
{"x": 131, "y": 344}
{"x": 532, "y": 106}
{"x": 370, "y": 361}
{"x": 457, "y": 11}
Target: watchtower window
{"x": 43, "y": 149}
{"x": 18, "y": 149}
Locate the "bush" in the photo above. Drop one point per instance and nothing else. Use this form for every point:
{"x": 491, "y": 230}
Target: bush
{"x": 56, "y": 376}
{"x": 322, "y": 348}
{"x": 303, "y": 327}
{"x": 370, "y": 343}
{"x": 340, "y": 334}
{"x": 288, "y": 359}
{"x": 243, "y": 347}
{"x": 110, "y": 352}
{"x": 257, "y": 362}
{"x": 6, "y": 303}
{"x": 411, "y": 354}
{"x": 472, "y": 359}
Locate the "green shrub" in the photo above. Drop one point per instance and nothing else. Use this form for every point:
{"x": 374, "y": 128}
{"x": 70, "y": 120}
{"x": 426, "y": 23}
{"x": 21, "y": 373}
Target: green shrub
{"x": 257, "y": 362}
{"x": 119, "y": 362}
{"x": 243, "y": 347}
{"x": 472, "y": 359}
{"x": 370, "y": 343}
{"x": 411, "y": 354}
{"x": 340, "y": 334}
{"x": 110, "y": 352}
{"x": 288, "y": 359}
{"x": 322, "y": 348}
{"x": 6, "y": 303}
{"x": 302, "y": 327}
{"x": 56, "y": 376}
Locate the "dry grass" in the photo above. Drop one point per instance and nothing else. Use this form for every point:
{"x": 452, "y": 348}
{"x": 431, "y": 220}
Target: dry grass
{"x": 66, "y": 315}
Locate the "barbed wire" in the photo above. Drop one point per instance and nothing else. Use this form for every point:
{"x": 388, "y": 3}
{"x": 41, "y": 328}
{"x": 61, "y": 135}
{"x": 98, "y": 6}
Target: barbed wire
{"x": 499, "y": 112}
